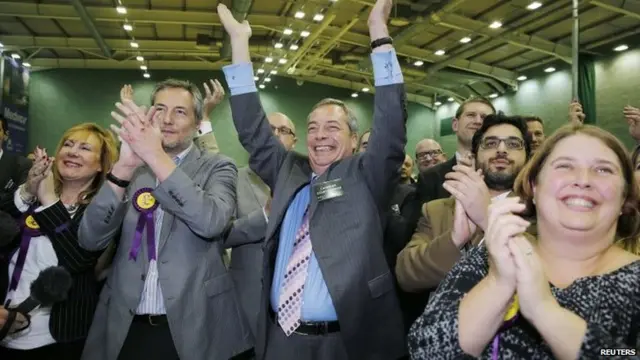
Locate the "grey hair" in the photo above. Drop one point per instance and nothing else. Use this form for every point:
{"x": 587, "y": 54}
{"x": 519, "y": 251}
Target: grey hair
{"x": 352, "y": 120}
{"x": 196, "y": 95}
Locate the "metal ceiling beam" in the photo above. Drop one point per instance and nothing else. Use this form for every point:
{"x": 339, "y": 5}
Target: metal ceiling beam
{"x": 475, "y": 48}
{"x": 310, "y": 40}
{"x": 201, "y": 18}
{"x": 326, "y": 47}
{"x": 239, "y": 10}
{"x": 619, "y": 6}
{"x": 516, "y": 38}
{"x": 91, "y": 27}
{"x": 43, "y": 63}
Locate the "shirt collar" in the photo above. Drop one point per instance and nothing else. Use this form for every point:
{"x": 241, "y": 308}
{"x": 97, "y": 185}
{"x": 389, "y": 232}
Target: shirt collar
{"x": 180, "y": 157}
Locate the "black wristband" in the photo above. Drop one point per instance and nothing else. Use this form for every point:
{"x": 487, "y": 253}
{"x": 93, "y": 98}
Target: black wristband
{"x": 382, "y": 41}
{"x": 119, "y": 182}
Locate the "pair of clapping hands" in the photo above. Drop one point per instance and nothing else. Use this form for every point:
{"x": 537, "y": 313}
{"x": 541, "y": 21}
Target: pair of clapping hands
{"x": 40, "y": 183}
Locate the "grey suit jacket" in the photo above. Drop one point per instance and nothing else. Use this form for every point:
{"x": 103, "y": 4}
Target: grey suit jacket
{"x": 202, "y": 306}
{"x": 346, "y": 231}
{"x": 247, "y": 236}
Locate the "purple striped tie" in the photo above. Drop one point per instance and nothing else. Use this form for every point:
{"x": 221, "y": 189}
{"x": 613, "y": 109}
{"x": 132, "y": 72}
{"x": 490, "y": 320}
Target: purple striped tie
{"x": 292, "y": 290}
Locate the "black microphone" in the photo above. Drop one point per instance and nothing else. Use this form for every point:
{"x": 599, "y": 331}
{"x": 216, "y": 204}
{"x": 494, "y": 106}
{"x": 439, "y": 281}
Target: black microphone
{"x": 9, "y": 228}
{"x": 51, "y": 286}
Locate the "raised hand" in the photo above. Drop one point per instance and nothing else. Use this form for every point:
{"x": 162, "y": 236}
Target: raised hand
{"x": 126, "y": 93}
{"x": 380, "y": 12}
{"x": 232, "y": 26}
{"x": 212, "y": 98}
{"x": 503, "y": 227}
{"x": 139, "y": 130}
{"x": 576, "y": 115}
{"x": 632, "y": 116}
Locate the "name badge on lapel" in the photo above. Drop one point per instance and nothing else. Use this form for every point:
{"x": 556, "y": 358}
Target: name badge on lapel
{"x": 328, "y": 190}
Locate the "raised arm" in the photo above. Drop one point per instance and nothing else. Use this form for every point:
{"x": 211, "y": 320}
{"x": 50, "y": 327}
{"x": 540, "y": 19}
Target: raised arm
{"x": 385, "y": 152}
{"x": 266, "y": 153}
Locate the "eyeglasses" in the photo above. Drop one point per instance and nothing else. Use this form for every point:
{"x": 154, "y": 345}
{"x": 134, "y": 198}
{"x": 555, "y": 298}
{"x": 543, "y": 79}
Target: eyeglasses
{"x": 493, "y": 142}
{"x": 282, "y": 130}
{"x": 430, "y": 153}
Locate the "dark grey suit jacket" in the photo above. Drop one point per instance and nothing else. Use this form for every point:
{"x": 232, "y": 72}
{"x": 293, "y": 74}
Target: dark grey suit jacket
{"x": 346, "y": 232}
{"x": 202, "y": 305}
{"x": 247, "y": 236}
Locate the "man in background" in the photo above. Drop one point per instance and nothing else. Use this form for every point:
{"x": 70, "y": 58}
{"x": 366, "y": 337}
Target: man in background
{"x": 13, "y": 168}
{"x": 248, "y": 231}
{"x": 429, "y": 154}
{"x": 535, "y": 126}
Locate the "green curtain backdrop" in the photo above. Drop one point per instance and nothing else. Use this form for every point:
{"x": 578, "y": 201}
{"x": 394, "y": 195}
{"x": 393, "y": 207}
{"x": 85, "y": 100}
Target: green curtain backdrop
{"x": 587, "y": 87}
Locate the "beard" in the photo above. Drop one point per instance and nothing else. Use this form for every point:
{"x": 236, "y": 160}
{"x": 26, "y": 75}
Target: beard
{"x": 500, "y": 180}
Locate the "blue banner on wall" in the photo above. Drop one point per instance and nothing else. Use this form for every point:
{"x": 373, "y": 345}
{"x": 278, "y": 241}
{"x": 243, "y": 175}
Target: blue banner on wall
{"x": 15, "y": 105}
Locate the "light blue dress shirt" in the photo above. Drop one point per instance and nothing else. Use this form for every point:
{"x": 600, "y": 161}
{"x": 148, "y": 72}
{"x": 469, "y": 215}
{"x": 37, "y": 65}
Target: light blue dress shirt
{"x": 317, "y": 304}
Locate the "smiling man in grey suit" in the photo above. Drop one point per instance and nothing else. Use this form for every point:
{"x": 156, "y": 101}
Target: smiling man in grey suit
{"x": 249, "y": 229}
{"x": 169, "y": 295}
{"x": 327, "y": 291}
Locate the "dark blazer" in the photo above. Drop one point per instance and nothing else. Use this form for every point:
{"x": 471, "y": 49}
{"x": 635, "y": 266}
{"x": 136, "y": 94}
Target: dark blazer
{"x": 346, "y": 231}
{"x": 13, "y": 171}
{"x": 429, "y": 188}
{"x": 70, "y": 319}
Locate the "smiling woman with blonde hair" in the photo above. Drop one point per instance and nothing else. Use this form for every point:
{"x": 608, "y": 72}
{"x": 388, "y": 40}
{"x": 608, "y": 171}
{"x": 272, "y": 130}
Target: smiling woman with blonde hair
{"x": 50, "y": 205}
{"x": 568, "y": 294}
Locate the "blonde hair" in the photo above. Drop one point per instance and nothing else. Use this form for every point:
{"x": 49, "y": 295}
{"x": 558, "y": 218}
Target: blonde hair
{"x": 108, "y": 157}
{"x": 628, "y": 227}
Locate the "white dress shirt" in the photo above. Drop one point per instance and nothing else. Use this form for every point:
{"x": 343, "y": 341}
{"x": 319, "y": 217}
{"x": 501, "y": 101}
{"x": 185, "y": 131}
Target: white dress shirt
{"x": 152, "y": 301}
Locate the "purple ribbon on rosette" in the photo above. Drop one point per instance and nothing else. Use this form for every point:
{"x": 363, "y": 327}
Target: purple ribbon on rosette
{"x": 146, "y": 204}
{"x": 30, "y": 229}
{"x": 508, "y": 322}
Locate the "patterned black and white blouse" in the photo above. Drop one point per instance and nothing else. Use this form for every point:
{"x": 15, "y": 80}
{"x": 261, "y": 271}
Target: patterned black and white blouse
{"x": 609, "y": 303}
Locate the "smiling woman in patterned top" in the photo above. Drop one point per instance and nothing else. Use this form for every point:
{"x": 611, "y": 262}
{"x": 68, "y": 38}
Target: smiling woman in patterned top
{"x": 577, "y": 293}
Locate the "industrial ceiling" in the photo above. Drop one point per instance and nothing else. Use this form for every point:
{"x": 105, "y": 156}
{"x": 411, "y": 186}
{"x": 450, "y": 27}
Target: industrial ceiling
{"x": 449, "y": 49}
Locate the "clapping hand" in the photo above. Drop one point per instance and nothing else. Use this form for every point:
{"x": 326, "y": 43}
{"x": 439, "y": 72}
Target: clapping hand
{"x": 46, "y": 189}
{"x": 468, "y": 187}
{"x": 126, "y": 93}
{"x": 139, "y": 131}
{"x": 38, "y": 172}
{"x": 503, "y": 227}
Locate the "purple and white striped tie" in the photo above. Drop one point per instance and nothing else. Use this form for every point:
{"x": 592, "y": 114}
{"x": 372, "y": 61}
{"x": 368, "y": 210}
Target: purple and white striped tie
{"x": 292, "y": 290}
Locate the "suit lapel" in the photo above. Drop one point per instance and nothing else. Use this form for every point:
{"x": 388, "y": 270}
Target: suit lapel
{"x": 190, "y": 166}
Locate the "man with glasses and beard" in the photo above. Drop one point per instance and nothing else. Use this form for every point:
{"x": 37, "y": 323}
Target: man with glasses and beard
{"x": 450, "y": 227}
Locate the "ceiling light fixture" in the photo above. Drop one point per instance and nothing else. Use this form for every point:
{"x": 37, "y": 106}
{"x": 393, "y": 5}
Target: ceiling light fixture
{"x": 260, "y": 71}
{"x": 274, "y": 72}
{"x": 495, "y": 25}
{"x": 549, "y": 69}
{"x": 146, "y": 75}
{"x": 287, "y": 31}
{"x": 299, "y": 15}
{"x": 127, "y": 27}
{"x": 418, "y": 63}
{"x": 261, "y": 86}
{"x": 282, "y": 61}
{"x": 437, "y": 103}
{"x": 534, "y": 5}
{"x": 255, "y": 78}
{"x": 621, "y": 48}
{"x": 318, "y": 17}
{"x": 268, "y": 59}
{"x": 304, "y": 33}
{"x": 143, "y": 67}
{"x": 139, "y": 58}
{"x": 522, "y": 78}
{"x": 15, "y": 56}
{"x": 465, "y": 40}
{"x": 121, "y": 10}
{"x": 135, "y": 45}
{"x": 440, "y": 52}
{"x": 26, "y": 64}
{"x": 267, "y": 79}
{"x": 293, "y": 47}
{"x": 451, "y": 99}
{"x": 278, "y": 45}
{"x": 493, "y": 96}
{"x": 354, "y": 95}
{"x": 365, "y": 89}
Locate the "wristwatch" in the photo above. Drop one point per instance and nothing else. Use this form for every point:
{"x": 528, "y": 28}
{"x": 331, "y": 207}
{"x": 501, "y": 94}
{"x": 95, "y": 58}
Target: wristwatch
{"x": 118, "y": 182}
{"x": 382, "y": 41}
